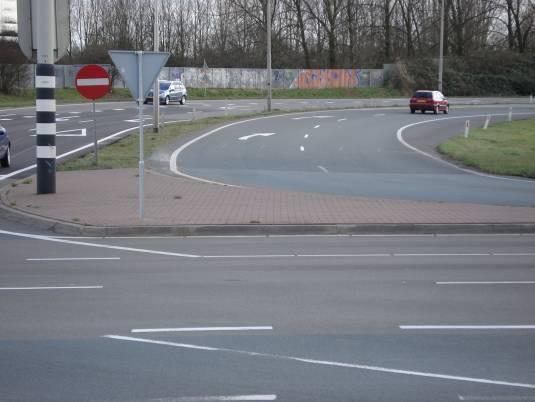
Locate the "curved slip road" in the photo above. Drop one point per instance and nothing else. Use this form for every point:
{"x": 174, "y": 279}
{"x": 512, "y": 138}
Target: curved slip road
{"x": 352, "y": 152}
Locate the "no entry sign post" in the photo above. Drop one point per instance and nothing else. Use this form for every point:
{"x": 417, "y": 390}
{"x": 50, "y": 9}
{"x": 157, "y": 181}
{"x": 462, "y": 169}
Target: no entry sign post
{"x": 93, "y": 82}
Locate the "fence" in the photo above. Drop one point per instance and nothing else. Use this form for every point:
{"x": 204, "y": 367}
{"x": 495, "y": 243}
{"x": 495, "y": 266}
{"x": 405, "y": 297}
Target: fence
{"x": 194, "y": 77}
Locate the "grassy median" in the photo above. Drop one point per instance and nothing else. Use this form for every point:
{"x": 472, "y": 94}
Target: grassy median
{"x": 504, "y": 148}
{"x": 124, "y": 153}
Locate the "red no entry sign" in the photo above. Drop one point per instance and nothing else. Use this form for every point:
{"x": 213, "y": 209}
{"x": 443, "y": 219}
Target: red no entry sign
{"x": 92, "y": 81}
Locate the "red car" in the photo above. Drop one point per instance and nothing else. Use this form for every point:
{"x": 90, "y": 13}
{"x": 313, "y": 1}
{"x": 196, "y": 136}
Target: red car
{"x": 429, "y": 100}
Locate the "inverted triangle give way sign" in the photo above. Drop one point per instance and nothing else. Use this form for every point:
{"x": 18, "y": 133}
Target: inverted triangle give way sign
{"x": 132, "y": 64}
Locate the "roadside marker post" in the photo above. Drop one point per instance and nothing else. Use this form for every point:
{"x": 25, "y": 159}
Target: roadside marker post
{"x": 487, "y": 121}
{"x": 139, "y": 70}
{"x": 466, "y": 128}
{"x": 531, "y": 99}
{"x": 93, "y": 82}
{"x": 510, "y": 116}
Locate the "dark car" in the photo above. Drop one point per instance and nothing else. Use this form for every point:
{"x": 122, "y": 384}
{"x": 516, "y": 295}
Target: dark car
{"x": 429, "y": 100}
{"x": 5, "y": 148}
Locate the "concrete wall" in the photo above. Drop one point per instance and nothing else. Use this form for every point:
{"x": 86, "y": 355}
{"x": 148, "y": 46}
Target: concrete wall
{"x": 246, "y": 78}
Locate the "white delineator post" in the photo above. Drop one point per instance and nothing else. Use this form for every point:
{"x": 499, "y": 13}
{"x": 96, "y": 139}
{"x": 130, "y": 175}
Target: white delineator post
{"x": 487, "y": 121}
{"x": 45, "y": 98}
{"x": 141, "y": 142}
{"x": 466, "y": 128}
{"x": 510, "y": 116}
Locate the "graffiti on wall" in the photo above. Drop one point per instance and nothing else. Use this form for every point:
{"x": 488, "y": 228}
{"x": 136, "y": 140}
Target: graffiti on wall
{"x": 327, "y": 78}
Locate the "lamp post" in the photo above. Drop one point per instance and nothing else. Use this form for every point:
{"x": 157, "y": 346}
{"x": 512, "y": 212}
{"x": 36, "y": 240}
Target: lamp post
{"x": 156, "y": 88}
{"x": 268, "y": 40}
{"x": 441, "y": 56}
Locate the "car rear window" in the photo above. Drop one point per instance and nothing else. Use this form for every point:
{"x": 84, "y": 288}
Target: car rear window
{"x": 428, "y": 95}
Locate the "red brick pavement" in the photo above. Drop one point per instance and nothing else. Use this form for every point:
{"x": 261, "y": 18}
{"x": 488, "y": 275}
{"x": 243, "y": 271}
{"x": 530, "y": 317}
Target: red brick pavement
{"x": 109, "y": 198}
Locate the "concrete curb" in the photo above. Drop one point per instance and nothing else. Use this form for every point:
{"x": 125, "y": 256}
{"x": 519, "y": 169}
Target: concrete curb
{"x": 73, "y": 229}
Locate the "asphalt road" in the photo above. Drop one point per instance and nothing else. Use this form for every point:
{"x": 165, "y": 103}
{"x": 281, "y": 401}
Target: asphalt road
{"x": 278, "y": 318}
{"x": 364, "y": 153}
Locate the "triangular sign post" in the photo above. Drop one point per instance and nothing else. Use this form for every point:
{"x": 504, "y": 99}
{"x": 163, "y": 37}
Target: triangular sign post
{"x": 139, "y": 70}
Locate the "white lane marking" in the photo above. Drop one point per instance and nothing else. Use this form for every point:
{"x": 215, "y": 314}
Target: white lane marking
{"x": 137, "y": 120}
{"x": 411, "y": 327}
{"x": 317, "y": 126}
{"x": 487, "y": 283}
{"x": 399, "y": 136}
{"x": 341, "y": 120}
{"x": 75, "y": 112}
{"x": 211, "y": 398}
{"x": 402, "y": 255}
{"x": 53, "y": 287}
{"x": 326, "y": 362}
{"x": 77, "y": 132}
{"x": 6, "y": 119}
{"x": 302, "y": 148}
{"x": 203, "y": 329}
{"x": 8, "y": 115}
{"x": 85, "y": 121}
{"x": 74, "y": 259}
{"x": 306, "y": 136}
{"x": 80, "y": 243}
{"x": 246, "y": 137}
{"x": 379, "y": 115}
{"x": 253, "y": 103}
{"x": 504, "y": 398}
{"x": 323, "y": 169}
{"x": 118, "y": 109}
{"x": 311, "y": 117}
{"x": 16, "y": 172}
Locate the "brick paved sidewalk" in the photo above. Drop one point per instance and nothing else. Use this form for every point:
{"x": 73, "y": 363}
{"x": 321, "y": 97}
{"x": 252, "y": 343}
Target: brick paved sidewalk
{"x": 109, "y": 198}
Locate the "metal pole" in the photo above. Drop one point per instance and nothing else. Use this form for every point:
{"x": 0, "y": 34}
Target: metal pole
{"x": 45, "y": 97}
{"x": 441, "y": 56}
{"x": 156, "y": 89}
{"x": 268, "y": 34}
{"x": 141, "y": 143}
{"x": 95, "y": 134}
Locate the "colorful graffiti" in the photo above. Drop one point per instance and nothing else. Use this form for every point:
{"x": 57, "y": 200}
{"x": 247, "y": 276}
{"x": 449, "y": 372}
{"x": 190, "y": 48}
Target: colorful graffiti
{"x": 327, "y": 78}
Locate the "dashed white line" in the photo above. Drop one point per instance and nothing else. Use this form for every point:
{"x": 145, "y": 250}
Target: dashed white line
{"x": 302, "y": 148}
{"x": 317, "y": 126}
{"x": 74, "y": 259}
{"x": 323, "y": 169}
{"x": 341, "y": 120}
{"x": 85, "y": 121}
{"x": 504, "y": 398}
{"x": 325, "y": 362}
{"x": 306, "y": 136}
{"x": 53, "y": 287}
{"x": 6, "y": 119}
{"x": 203, "y": 329}
{"x": 211, "y": 398}
{"x": 118, "y": 109}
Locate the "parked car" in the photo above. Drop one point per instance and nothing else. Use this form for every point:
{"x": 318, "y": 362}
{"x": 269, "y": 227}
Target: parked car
{"x": 5, "y": 148}
{"x": 429, "y": 100}
{"x": 170, "y": 91}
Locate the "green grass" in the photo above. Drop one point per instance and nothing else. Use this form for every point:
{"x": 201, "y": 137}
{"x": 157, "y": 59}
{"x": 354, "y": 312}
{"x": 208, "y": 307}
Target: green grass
{"x": 125, "y": 152}
{"x": 326, "y": 93}
{"x": 504, "y": 148}
{"x": 63, "y": 96}
{"x": 27, "y": 98}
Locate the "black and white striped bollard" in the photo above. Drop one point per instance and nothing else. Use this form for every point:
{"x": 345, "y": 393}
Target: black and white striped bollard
{"x": 45, "y": 107}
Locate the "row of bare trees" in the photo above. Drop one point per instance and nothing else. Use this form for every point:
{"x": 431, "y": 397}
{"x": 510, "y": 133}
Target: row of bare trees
{"x": 306, "y": 33}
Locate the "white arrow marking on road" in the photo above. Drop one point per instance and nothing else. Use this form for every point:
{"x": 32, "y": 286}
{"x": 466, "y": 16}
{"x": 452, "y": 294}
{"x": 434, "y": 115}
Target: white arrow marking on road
{"x": 246, "y": 137}
{"x": 77, "y": 132}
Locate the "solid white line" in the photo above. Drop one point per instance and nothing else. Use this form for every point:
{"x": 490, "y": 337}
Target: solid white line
{"x": 53, "y": 287}
{"x": 505, "y": 398}
{"x": 202, "y": 329}
{"x": 211, "y": 398}
{"x": 326, "y": 363}
{"x": 400, "y": 138}
{"x": 73, "y": 259}
{"x": 487, "y": 283}
{"x": 409, "y": 327}
{"x": 5, "y": 119}
{"x": 79, "y": 243}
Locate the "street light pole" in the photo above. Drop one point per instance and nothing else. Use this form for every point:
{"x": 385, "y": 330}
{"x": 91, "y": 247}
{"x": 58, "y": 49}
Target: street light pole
{"x": 268, "y": 35}
{"x": 156, "y": 88}
{"x": 441, "y": 56}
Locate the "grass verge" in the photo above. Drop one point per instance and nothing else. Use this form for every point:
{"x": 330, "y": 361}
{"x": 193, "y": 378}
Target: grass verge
{"x": 504, "y": 148}
{"x": 125, "y": 152}
{"x": 63, "y": 96}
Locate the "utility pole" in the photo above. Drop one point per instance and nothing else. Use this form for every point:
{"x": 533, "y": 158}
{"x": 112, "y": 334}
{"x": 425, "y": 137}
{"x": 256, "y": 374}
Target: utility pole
{"x": 156, "y": 89}
{"x": 45, "y": 99}
{"x": 441, "y": 56}
{"x": 268, "y": 35}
